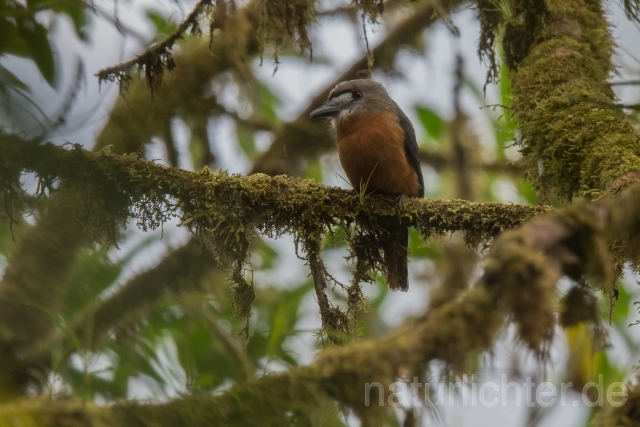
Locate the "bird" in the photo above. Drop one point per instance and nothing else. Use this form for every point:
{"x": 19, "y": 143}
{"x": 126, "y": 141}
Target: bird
{"x": 378, "y": 151}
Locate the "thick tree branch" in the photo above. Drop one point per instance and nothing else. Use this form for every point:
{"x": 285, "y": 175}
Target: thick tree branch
{"x": 575, "y": 143}
{"x": 208, "y": 200}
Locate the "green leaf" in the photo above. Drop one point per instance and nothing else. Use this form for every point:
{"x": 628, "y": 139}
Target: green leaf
{"x": 527, "y": 191}
{"x": 431, "y": 121}
{"x": 36, "y": 38}
{"x": 265, "y": 103}
{"x": 267, "y": 254}
{"x": 246, "y": 141}
{"x": 506, "y": 95}
{"x": 314, "y": 171}
{"x": 36, "y": 3}
{"x": 163, "y": 26}
{"x": 419, "y": 249}
{"x": 477, "y": 92}
{"x": 11, "y": 41}
{"x": 92, "y": 272}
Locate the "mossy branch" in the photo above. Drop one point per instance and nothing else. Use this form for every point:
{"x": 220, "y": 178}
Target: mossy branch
{"x": 124, "y": 186}
{"x": 574, "y": 242}
{"x": 575, "y": 141}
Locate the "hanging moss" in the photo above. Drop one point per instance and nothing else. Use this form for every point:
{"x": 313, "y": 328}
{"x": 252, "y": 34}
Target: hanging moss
{"x": 516, "y": 22}
{"x": 528, "y": 262}
{"x": 283, "y": 23}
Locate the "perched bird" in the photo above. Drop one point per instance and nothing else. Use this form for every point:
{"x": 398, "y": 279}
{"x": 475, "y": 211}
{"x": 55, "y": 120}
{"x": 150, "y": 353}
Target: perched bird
{"x": 378, "y": 151}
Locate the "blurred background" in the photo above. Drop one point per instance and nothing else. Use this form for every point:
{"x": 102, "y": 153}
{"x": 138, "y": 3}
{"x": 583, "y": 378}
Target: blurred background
{"x": 152, "y": 319}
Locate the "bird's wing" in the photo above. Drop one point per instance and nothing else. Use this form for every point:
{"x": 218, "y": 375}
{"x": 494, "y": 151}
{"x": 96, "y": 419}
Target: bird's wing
{"x": 411, "y": 150}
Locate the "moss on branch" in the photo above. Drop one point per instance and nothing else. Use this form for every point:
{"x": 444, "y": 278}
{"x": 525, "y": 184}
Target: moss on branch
{"x": 137, "y": 116}
{"x": 153, "y": 61}
{"x": 575, "y": 141}
{"x": 118, "y": 187}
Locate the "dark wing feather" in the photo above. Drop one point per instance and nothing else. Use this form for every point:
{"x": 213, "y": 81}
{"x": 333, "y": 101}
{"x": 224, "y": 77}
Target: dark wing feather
{"x": 411, "y": 148}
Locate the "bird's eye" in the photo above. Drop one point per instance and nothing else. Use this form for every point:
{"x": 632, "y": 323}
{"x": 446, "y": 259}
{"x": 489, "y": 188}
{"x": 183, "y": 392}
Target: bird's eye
{"x": 357, "y": 95}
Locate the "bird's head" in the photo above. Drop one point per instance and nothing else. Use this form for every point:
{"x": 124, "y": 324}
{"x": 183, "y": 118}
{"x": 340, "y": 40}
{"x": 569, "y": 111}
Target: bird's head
{"x": 354, "y": 97}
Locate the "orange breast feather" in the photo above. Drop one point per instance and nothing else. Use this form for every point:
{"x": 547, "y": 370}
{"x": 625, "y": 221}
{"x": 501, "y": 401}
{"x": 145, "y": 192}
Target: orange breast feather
{"x": 371, "y": 150}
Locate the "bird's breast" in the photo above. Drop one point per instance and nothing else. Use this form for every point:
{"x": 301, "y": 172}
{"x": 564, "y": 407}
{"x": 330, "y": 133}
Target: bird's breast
{"x": 371, "y": 150}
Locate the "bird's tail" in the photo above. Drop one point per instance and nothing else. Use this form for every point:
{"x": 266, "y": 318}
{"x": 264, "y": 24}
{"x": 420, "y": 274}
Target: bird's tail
{"x": 395, "y": 258}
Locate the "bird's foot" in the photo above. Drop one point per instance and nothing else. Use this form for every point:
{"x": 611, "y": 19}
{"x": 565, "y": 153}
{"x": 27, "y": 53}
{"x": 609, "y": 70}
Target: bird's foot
{"x": 400, "y": 199}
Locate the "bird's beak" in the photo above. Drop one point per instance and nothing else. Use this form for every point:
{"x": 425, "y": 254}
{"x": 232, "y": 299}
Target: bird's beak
{"x": 327, "y": 110}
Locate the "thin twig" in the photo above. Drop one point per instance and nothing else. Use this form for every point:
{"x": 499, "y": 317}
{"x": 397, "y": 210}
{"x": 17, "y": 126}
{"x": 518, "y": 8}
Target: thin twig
{"x": 440, "y": 161}
{"x": 158, "y": 50}
{"x": 625, "y": 83}
{"x": 369, "y": 52}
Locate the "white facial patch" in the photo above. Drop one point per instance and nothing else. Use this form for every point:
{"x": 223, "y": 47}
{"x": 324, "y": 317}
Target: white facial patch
{"x": 345, "y": 97}
{"x": 341, "y": 99}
